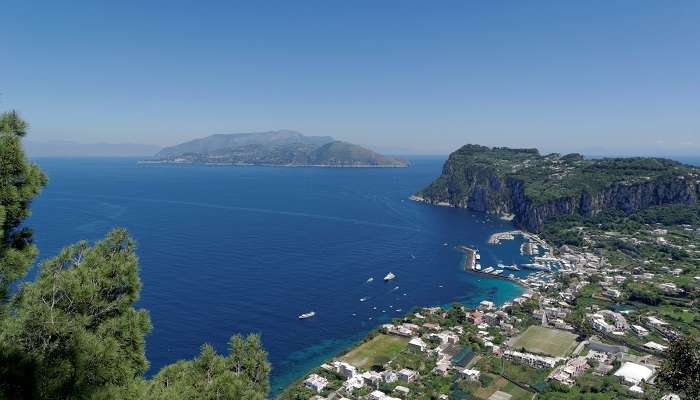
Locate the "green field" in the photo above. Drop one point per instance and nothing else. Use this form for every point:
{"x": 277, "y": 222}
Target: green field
{"x": 537, "y": 339}
{"x": 501, "y": 384}
{"x": 378, "y": 350}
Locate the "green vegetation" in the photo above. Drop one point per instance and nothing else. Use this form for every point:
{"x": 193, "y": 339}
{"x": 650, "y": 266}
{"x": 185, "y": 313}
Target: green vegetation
{"x": 73, "y": 333}
{"x": 552, "y": 342}
{"x": 377, "y": 351}
{"x": 537, "y": 187}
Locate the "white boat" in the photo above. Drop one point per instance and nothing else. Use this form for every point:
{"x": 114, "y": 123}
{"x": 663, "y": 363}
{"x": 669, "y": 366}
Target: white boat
{"x": 478, "y": 256}
{"x": 370, "y": 280}
{"x": 364, "y": 299}
{"x": 389, "y": 277}
{"x": 307, "y": 315}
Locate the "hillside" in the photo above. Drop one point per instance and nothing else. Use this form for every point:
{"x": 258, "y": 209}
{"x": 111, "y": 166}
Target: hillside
{"x": 536, "y": 187}
{"x": 283, "y": 148}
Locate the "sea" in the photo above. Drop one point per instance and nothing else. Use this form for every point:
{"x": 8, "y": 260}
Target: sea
{"x": 226, "y": 250}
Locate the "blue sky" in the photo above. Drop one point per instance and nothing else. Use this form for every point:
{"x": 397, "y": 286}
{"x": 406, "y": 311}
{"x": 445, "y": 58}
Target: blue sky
{"x": 412, "y": 76}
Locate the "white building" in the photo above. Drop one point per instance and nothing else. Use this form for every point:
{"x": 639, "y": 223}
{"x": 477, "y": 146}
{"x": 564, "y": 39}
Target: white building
{"x": 634, "y": 373}
{"x": 470, "y": 374}
{"x": 486, "y": 305}
{"x": 418, "y": 344}
{"x": 640, "y": 330}
{"x": 316, "y": 383}
{"x": 408, "y": 375}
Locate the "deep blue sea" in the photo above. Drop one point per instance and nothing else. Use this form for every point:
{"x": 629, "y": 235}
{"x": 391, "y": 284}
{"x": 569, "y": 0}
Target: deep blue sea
{"x": 247, "y": 249}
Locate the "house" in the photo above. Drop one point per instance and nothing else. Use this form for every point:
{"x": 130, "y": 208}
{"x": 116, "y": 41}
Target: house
{"x": 655, "y": 346}
{"x": 640, "y": 330}
{"x": 403, "y": 390}
{"x": 532, "y": 360}
{"x": 490, "y": 318}
{"x": 389, "y": 376}
{"x": 486, "y": 305}
{"x": 472, "y": 375}
{"x": 372, "y": 378}
{"x": 430, "y": 326}
{"x": 417, "y": 344}
{"x": 475, "y": 317}
{"x": 655, "y": 322}
{"x": 379, "y": 395}
{"x": 316, "y": 383}
{"x": 407, "y": 375}
{"x": 344, "y": 369}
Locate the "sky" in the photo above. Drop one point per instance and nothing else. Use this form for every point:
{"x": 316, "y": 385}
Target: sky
{"x": 412, "y": 77}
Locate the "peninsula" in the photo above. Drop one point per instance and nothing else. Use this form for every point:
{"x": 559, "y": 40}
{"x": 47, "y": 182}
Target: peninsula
{"x": 535, "y": 188}
{"x": 274, "y": 148}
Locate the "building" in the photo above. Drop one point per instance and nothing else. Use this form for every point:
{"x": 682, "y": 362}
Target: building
{"x": 316, "y": 383}
{"x": 634, "y": 373}
{"x": 403, "y": 390}
{"x": 475, "y": 317}
{"x": 640, "y": 330}
{"x": 344, "y": 369}
{"x": 471, "y": 375}
{"x": 655, "y": 346}
{"x": 407, "y": 375}
{"x": 486, "y": 305}
{"x": 372, "y": 378}
{"x": 417, "y": 344}
{"x": 532, "y": 360}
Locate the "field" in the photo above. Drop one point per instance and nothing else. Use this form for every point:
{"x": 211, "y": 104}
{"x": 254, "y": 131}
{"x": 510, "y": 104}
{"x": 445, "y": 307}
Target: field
{"x": 378, "y": 350}
{"x": 538, "y": 339}
{"x": 507, "y": 390}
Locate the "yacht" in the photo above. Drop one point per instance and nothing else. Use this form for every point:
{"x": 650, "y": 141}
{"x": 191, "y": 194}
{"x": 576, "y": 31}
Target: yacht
{"x": 307, "y": 315}
{"x": 389, "y": 277}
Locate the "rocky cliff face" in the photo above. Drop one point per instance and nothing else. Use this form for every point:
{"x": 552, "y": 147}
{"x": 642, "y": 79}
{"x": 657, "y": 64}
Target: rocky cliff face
{"x": 470, "y": 184}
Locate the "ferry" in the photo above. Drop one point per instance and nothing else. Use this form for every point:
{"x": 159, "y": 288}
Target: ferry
{"x": 307, "y": 315}
{"x": 389, "y": 277}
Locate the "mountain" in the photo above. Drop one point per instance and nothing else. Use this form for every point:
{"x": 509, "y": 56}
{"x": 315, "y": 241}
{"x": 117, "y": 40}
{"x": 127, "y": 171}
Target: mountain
{"x": 285, "y": 148}
{"x": 62, "y": 148}
{"x": 534, "y": 188}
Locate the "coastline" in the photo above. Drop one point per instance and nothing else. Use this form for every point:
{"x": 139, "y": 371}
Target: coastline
{"x": 521, "y": 284}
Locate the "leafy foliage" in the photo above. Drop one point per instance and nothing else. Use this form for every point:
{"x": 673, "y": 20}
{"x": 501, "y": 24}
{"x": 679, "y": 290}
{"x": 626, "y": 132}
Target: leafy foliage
{"x": 680, "y": 371}
{"x": 74, "y": 333}
{"x": 20, "y": 182}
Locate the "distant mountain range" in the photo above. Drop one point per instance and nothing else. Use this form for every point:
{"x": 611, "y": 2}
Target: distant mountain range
{"x": 62, "y": 148}
{"x": 282, "y": 148}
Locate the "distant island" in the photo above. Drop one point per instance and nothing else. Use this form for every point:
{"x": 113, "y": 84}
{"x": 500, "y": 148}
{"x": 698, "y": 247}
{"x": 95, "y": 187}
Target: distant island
{"x": 533, "y": 188}
{"x": 274, "y": 148}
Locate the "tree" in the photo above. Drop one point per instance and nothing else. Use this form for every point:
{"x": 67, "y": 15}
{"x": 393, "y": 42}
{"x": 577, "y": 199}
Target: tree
{"x": 74, "y": 333}
{"x": 20, "y": 182}
{"x": 242, "y": 375}
{"x": 680, "y": 371}
{"x": 75, "y": 330}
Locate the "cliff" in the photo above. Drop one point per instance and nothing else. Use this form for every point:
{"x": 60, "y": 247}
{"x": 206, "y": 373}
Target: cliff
{"x": 534, "y": 188}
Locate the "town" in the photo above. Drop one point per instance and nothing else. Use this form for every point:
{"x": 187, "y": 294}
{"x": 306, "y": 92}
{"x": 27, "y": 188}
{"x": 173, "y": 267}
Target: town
{"x": 584, "y": 327}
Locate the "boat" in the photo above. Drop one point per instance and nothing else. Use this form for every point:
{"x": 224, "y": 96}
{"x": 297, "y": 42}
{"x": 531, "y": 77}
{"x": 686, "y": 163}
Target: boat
{"x": 364, "y": 299}
{"x": 478, "y": 256}
{"x": 511, "y": 267}
{"x": 488, "y": 270}
{"x": 307, "y": 315}
{"x": 478, "y": 267}
{"x": 370, "y": 280}
{"x": 389, "y": 277}
{"x": 396, "y": 288}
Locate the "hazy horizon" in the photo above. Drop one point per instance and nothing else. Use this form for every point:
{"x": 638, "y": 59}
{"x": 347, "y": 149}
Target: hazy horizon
{"x": 599, "y": 78}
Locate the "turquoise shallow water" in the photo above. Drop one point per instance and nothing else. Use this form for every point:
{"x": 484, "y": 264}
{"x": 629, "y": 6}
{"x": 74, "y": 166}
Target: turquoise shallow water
{"x": 248, "y": 249}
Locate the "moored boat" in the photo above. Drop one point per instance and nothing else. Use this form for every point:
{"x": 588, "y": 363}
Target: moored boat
{"x": 389, "y": 277}
{"x": 307, "y": 315}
